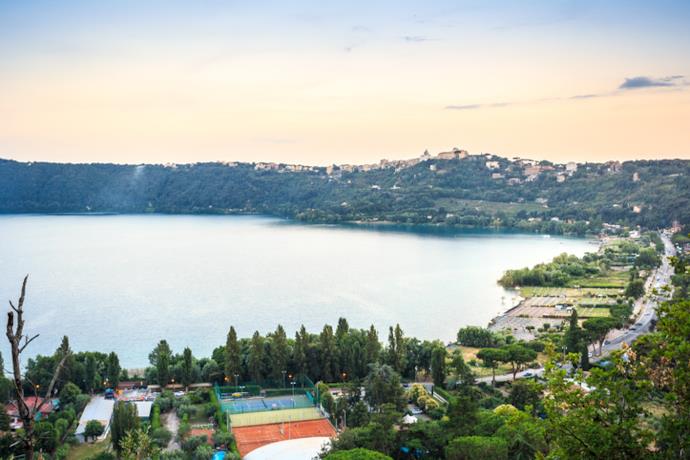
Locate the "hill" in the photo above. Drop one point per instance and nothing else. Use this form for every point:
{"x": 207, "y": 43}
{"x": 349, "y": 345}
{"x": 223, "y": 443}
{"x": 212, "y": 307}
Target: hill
{"x": 453, "y": 189}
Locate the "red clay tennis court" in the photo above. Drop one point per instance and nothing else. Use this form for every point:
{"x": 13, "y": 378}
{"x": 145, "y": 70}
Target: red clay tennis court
{"x": 249, "y": 438}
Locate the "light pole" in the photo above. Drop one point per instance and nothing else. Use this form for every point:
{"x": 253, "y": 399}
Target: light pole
{"x": 236, "y": 376}
{"x": 293, "y": 393}
{"x": 284, "y": 372}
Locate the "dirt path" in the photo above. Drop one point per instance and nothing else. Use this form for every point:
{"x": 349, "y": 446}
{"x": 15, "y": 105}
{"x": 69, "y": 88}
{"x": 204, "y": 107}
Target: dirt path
{"x": 172, "y": 423}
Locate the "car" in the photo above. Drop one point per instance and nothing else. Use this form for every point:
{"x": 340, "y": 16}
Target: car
{"x": 528, "y": 374}
{"x": 606, "y": 342}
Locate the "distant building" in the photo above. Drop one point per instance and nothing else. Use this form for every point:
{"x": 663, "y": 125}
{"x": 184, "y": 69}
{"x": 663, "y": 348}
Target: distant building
{"x": 571, "y": 167}
{"x": 497, "y": 176}
{"x": 447, "y": 156}
{"x": 560, "y": 178}
{"x": 636, "y": 177}
{"x": 532, "y": 170}
{"x": 493, "y": 164}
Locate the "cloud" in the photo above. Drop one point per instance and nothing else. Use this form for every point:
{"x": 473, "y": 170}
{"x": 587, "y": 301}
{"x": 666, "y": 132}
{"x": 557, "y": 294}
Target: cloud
{"x": 416, "y": 38}
{"x": 673, "y": 81}
{"x": 649, "y": 82}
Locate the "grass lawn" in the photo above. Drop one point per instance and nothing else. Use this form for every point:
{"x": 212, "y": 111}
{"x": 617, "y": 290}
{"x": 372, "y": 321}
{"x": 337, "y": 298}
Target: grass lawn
{"x": 614, "y": 279}
{"x": 87, "y": 449}
{"x": 533, "y": 291}
{"x": 199, "y": 416}
{"x": 591, "y": 312}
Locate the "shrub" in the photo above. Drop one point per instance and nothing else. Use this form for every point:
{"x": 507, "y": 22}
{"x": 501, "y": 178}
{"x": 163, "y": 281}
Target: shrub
{"x": 223, "y": 438}
{"x": 161, "y": 436}
{"x": 203, "y": 452}
{"x": 190, "y": 444}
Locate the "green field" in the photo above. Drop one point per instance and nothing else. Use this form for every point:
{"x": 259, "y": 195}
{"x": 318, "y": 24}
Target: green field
{"x": 589, "y": 312}
{"x": 532, "y": 291}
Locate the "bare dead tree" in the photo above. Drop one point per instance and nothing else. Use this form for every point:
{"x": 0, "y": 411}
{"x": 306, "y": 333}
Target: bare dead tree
{"x": 18, "y": 343}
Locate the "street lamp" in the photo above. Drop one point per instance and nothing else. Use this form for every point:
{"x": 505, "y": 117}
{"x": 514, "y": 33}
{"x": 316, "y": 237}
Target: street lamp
{"x": 293, "y": 393}
{"x": 343, "y": 376}
{"x": 284, "y": 372}
{"x": 236, "y": 377}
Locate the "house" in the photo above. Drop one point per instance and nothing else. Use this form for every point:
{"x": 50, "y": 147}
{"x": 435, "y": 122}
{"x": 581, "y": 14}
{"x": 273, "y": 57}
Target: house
{"x": 571, "y": 167}
{"x": 13, "y": 410}
{"x": 448, "y": 156}
{"x": 99, "y": 409}
{"x": 532, "y": 171}
{"x": 492, "y": 164}
{"x": 130, "y": 385}
{"x": 560, "y": 178}
{"x": 143, "y": 409}
{"x": 497, "y": 176}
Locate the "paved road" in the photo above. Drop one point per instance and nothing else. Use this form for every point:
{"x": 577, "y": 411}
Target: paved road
{"x": 644, "y": 310}
{"x": 646, "y": 305}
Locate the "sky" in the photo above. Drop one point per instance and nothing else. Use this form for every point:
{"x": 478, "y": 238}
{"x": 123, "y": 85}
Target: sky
{"x": 133, "y": 81}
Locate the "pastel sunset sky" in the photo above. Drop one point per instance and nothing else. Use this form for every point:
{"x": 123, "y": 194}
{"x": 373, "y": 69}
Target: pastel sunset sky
{"x": 343, "y": 82}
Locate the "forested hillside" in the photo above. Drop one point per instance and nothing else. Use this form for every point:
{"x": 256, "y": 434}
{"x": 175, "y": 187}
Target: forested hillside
{"x": 465, "y": 192}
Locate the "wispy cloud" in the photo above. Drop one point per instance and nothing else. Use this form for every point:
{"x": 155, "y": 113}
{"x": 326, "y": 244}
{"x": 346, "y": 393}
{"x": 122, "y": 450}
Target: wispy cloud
{"x": 416, "y": 38}
{"x": 673, "y": 81}
{"x": 649, "y": 82}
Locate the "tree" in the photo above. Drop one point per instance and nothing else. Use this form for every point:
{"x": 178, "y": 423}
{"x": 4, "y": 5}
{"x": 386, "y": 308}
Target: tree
{"x": 606, "y": 420}
{"x": 113, "y": 369}
{"x": 90, "y": 372}
{"x": 525, "y": 393}
{"x": 634, "y": 289}
{"x": 187, "y": 367}
{"x": 18, "y": 343}
{"x": 4, "y": 418}
{"x": 279, "y": 354}
{"x": 382, "y": 386}
{"x": 69, "y": 394}
{"x": 666, "y": 355}
{"x": 233, "y": 355}
{"x": 255, "y": 360}
{"x": 598, "y": 328}
{"x": 573, "y": 335}
{"x": 124, "y": 421}
{"x": 299, "y": 354}
{"x": 477, "y": 448}
{"x": 492, "y": 357}
{"x": 473, "y": 336}
{"x": 373, "y": 346}
{"x": 517, "y": 355}
{"x": 329, "y": 357}
{"x": 160, "y": 359}
{"x": 138, "y": 445}
{"x": 356, "y": 454}
{"x": 93, "y": 430}
{"x": 438, "y": 365}
{"x": 396, "y": 348}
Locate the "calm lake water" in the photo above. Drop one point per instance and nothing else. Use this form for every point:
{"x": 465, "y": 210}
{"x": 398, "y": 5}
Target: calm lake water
{"x": 124, "y": 282}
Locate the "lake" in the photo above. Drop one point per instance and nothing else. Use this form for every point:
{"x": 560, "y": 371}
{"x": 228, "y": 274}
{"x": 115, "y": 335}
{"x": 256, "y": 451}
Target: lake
{"x": 121, "y": 283}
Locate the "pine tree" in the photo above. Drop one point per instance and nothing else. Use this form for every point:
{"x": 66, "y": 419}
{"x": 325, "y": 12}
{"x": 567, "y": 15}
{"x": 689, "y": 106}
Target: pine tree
{"x": 373, "y": 346}
{"x": 233, "y": 356}
{"x": 299, "y": 353}
{"x": 279, "y": 354}
{"x": 160, "y": 359}
{"x": 255, "y": 360}
{"x": 113, "y": 369}
{"x": 187, "y": 367}
{"x": 328, "y": 349}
